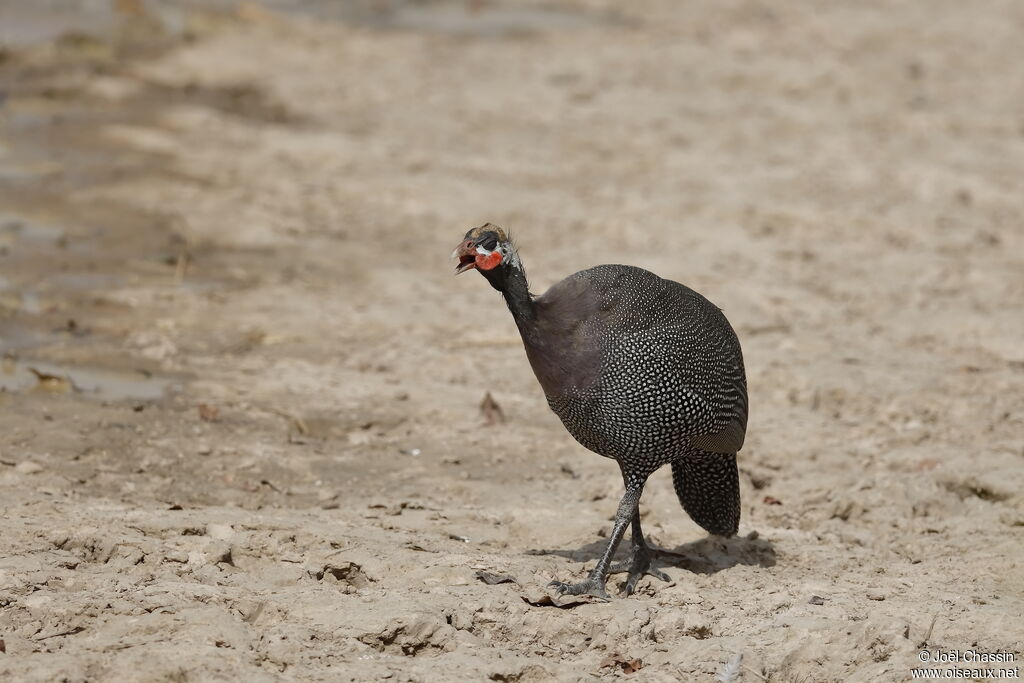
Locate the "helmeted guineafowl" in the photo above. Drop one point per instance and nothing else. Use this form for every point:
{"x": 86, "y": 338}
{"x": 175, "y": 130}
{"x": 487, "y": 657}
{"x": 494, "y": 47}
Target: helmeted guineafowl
{"x": 639, "y": 369}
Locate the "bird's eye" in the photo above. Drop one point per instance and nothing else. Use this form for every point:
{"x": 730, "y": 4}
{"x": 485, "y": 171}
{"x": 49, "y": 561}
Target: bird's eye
{"x": 489, "y": 242}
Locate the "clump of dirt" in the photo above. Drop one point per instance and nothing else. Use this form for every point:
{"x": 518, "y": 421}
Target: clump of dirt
{"x": 251, "y": 426}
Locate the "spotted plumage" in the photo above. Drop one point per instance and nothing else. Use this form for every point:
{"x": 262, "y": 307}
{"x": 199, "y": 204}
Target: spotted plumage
{"x": 639, "y": 369}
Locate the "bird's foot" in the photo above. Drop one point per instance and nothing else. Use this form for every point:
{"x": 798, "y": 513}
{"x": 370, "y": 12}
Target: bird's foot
{"x": 592, "y": 586}
{"x": 639, "y": 566}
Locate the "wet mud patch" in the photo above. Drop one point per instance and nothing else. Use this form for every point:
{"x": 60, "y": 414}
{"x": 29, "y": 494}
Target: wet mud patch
{"x": 332, "y": 416}
{"x": 477, "y": 20}
{"x": 243, "y": 100}
{"x": 486, "y": 19}
{"x": 91, "y": 383}
{"x": 57, "y": 123}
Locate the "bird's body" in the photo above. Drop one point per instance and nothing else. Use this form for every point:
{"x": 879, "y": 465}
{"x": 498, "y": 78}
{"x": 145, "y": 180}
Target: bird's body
{"x": 639, "y": 369}
{"x": 647, "y": 372}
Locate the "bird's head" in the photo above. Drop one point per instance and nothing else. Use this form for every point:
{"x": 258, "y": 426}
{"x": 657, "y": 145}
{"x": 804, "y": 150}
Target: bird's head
{"x": 487, "y": 249}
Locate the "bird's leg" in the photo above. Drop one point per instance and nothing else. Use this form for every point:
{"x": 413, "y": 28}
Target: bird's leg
{"x": 640, "y": 561}
{"x": 594, "y": 584}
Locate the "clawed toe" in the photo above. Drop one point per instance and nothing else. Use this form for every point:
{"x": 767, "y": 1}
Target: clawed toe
{"x": 658, "y": 574}
{"x": 636, "y": 569}
{"x": 635, "y": 576}
{"x": 588, "y": 587}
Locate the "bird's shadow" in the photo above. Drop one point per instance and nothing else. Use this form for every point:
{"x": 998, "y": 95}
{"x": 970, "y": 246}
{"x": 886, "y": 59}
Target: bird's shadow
{"x": 705, "y": 556}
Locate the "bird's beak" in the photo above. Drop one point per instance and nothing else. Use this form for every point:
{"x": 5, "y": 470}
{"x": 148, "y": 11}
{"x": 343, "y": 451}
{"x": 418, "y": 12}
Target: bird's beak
{"x": 466, "y": 253}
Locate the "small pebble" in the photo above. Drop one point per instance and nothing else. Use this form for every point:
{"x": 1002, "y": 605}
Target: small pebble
{"x": 324, "y": 495}
{"x": 176, "y": 556}
{"x": 874, "y": 595}
{"x": 221, "y": 532}
{"x": 28, "y": 467}
{"x": 816, "y": 600}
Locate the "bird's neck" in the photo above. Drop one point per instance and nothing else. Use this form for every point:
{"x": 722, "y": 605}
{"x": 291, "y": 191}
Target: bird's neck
{"x": 510, "y": 280}
{"x": 518, "y": 298}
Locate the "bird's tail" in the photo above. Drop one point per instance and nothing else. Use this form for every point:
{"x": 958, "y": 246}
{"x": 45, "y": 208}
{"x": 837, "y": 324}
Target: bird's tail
{"x": 708, "y": 486}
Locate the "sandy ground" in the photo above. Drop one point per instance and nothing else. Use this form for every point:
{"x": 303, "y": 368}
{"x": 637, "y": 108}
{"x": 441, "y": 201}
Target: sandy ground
{"x": 252, "y": 445}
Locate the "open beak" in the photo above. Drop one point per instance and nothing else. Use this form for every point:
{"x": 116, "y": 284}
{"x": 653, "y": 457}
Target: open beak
{"x": 466, "y": 253}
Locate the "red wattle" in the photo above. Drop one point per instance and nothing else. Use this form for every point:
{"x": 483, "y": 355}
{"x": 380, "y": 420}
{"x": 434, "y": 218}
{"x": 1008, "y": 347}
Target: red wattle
{"x": 488, "y": 261}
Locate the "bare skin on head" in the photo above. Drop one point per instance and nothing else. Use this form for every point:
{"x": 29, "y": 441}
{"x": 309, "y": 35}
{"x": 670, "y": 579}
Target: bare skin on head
{"x": 639, "y": 369}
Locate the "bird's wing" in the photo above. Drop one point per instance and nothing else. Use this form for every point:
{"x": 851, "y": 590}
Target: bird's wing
{"x": 658, "y": 317}
{"x": 729, "y": 440}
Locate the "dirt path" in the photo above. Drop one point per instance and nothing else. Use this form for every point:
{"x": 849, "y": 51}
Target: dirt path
{"x": 240, "y": 434}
